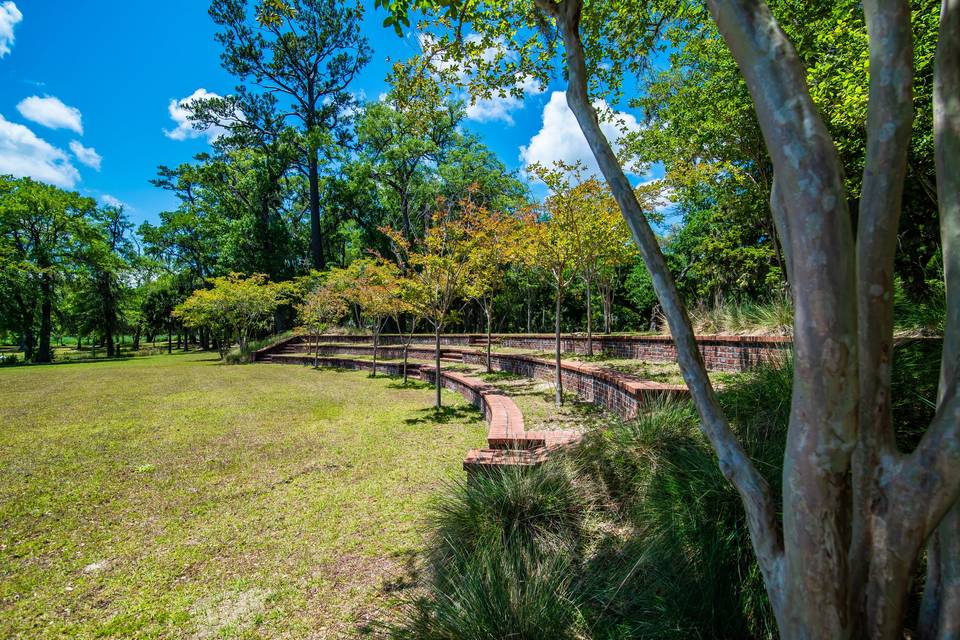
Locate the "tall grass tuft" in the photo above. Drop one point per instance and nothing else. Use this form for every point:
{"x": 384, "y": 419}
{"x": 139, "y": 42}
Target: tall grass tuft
{"x": 770, "y": 317}
{"x": 503, "y": 546}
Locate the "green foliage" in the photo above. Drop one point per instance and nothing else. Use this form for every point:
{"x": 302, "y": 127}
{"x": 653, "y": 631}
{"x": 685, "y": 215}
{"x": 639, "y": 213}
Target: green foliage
{"x": 234, "y": 308}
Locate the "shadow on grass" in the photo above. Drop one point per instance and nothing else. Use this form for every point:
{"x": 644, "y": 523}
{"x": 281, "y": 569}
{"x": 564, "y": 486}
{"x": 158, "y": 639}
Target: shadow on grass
{"x": 409, "y": 384}
{"x": 126, "y": 357}
{"x": 408, "y": 577}
{"x": 443, "y": 415}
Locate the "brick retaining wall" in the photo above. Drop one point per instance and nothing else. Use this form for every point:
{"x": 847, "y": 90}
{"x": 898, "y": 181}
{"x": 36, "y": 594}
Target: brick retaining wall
{"x": 720, "y": 353}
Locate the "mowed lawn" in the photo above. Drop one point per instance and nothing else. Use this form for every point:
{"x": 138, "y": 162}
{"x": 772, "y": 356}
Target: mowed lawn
{"x": 171, "y": 496}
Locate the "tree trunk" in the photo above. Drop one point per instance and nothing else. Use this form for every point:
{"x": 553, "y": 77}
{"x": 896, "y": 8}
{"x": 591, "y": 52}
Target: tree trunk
{"x": 316, "y": 239}
{"x": 136, "y": 339}
{"x": 405, "y": 346}
{"x": 940, "y": 615}
{"x": 108, "y": 339}
{"x": 436, "y": 349}
{"x": 46, "y": 311}
{"x": 169, "y": 342}
{"x": 376, "y": 343}
{"x": 557, "y": 376}
{"x": 589, "y": 318}
{"x": 488, "y": 308}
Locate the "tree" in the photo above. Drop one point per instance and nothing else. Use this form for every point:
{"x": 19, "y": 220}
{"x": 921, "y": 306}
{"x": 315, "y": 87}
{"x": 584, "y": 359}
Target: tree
{"x": 234, "y": 308}
{"x": 107, "y": 257}
{"x": 301, "y": 55}
{"x": 404, "y": 134}
{"x": 555, "y": 241}
{"x": 436, "y": 269}
{"x": 321, "y": 308}
{"x": 372, "y": 285}
{"x": 856, "y": 511}
{"x": 42, "y": 227}
{"x": 494, "y": 244}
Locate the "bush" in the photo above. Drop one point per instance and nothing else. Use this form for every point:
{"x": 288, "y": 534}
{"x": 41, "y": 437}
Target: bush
{"x": 8, "y": 359}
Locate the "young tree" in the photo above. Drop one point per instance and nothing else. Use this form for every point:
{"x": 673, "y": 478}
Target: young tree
{"x": 437, "y": 268}
{"x": 856, "y": 510}
{"x": 555, "y": 242}
{"x": 233, "y": 309}
{"x": 322, "y": 307}
{"x": 299, "y": 57}
{"x": 372, "y": 285}
{"x": 494, "y": 244}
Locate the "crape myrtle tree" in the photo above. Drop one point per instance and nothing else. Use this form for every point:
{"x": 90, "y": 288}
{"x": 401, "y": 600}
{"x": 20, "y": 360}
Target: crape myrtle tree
{"x": 321, "y": 308}
{"x": 554, "y": 239}
{"x": 373, "y": 286}
{"x": 297, "y": 58}
{"x": 436, "y": 269}
{"x": 495, "y": 244}
{"x": 856, "y": 511}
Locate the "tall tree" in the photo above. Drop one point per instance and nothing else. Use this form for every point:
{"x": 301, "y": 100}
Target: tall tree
{"x": 299, "y": 57}
{"x": 42, "y": 227}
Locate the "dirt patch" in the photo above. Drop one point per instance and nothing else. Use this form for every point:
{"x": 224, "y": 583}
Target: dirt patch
{"x": 235, "y": 611}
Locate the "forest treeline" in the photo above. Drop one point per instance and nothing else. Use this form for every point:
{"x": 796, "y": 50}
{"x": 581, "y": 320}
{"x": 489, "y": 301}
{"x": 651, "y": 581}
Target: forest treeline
{"x": 302, "y": 177}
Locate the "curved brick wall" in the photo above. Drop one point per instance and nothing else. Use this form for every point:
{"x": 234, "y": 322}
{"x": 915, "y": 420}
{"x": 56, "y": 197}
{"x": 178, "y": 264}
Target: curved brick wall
{"x": 720, "y": 353}
{"x": 615, "y": 392}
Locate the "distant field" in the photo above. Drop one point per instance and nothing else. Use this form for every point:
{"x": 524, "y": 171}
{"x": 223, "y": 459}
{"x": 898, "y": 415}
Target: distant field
{"x": 171, "y": 496}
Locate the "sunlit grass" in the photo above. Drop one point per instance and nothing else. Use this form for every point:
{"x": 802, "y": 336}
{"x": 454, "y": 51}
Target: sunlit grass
{"x": 172, "y": 496}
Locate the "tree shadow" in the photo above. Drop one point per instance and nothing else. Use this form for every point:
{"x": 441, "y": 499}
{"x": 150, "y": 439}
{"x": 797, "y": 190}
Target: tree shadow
{"x": 445, "y": 414}
{"x": 409, "y": 384}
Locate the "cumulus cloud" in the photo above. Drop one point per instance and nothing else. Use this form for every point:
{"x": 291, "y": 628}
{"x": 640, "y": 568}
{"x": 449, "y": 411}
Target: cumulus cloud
{"x": 180, "y": 111}
{"x": 23, "y": 154}
{"x": 51, "y": 112}
{"x": 86, "y": 155}
{"x": 112, "y": 201}
{"x": 9, "y": 16}
{"x": 560, "y": 137}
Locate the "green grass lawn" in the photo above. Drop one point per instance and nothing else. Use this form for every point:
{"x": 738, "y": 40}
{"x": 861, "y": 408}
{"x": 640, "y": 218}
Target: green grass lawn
{"x": 171, "y": 496}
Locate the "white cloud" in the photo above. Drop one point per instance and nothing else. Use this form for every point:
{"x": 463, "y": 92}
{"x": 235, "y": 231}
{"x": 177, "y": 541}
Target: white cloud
{"x": 180, "y": 111}
{"x": 9, "y": 17}
{"x": 112, "y": 201}
{"x": 23, "y": 154}
{"x": 86, "y": 155}
{"x": 560, "y": 137}
{"x": 51, "y": 112}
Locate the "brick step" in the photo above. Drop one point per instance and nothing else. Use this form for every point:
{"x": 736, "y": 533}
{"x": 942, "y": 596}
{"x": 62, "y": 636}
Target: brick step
{"x": 485, "y": 459}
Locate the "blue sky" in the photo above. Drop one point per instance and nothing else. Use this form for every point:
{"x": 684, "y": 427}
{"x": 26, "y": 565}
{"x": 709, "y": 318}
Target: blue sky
{"x": 86, "y": 91}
